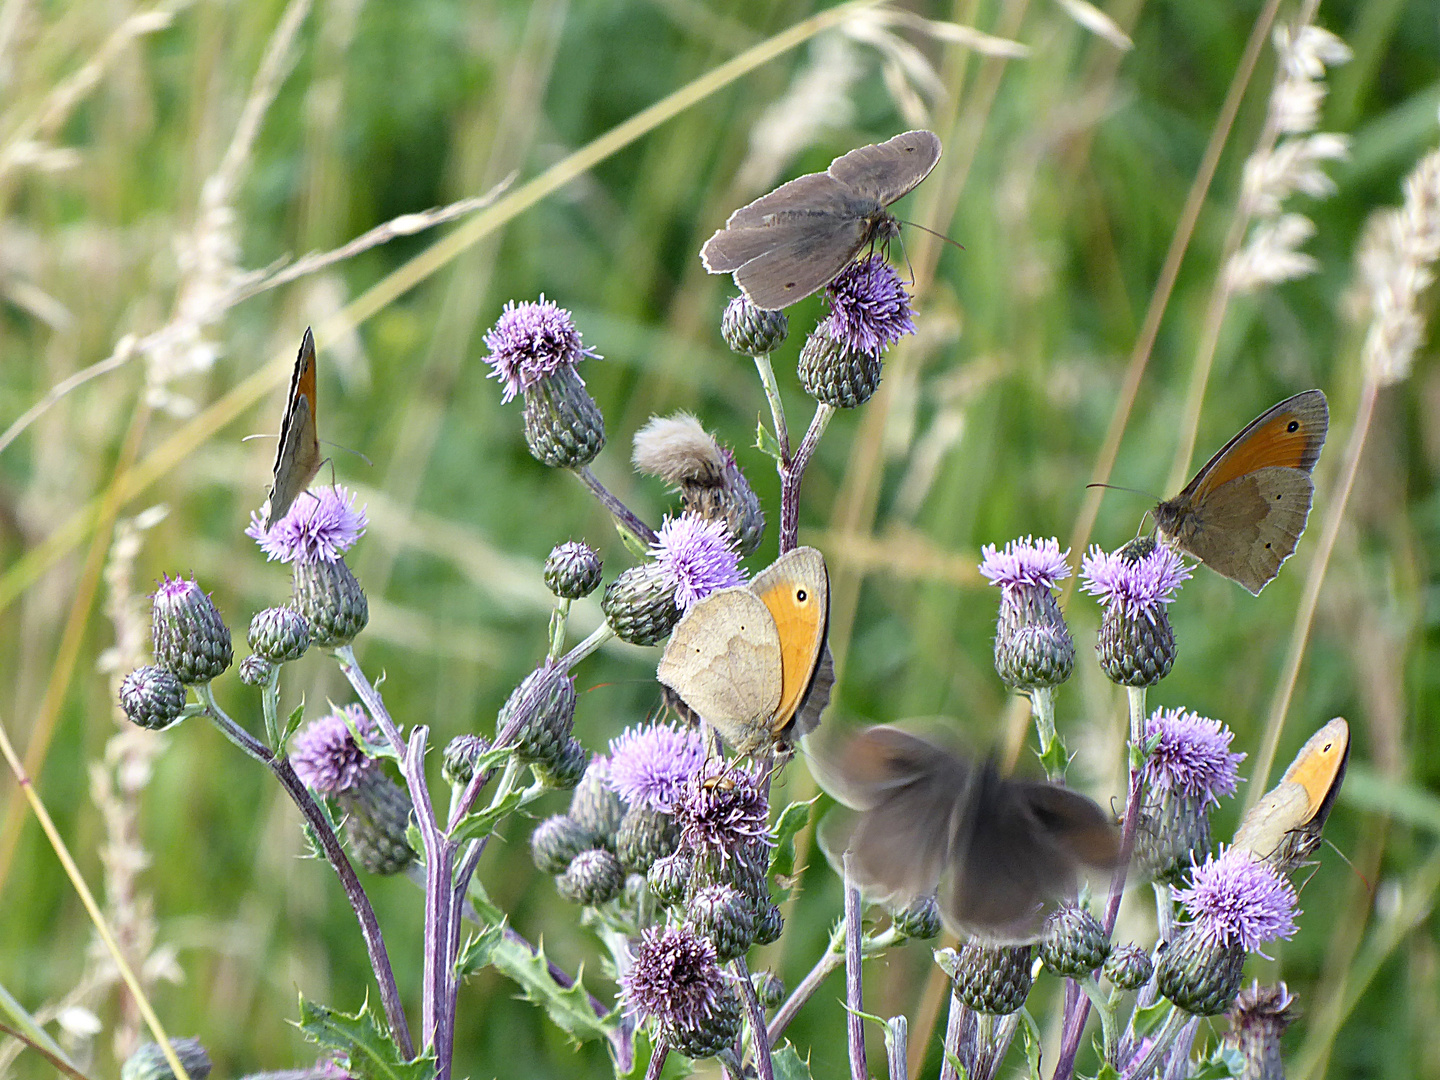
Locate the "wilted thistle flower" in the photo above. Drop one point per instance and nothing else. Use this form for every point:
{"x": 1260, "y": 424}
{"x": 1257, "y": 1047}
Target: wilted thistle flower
{"x": 679, "y": 451}
{"x": 721, "y": 812}
{"x": 279, "y": 634}
{"x": 752, "y": 331}
{"x": 191, "y": 638}
{"x": 539, "y": 714}
{"x": 534, "y": 348}
{"x": 1075, "y": 943}
{"x": 1136, "y": 583}
{"x": 640, "y": 604}
{"x": 572, "y": 570}
{"x": 320, "y": 526}
{"x": 675, "y": 980}
{"x": 1033, "y": 648}
{"x": 697, "y": 557}
{"x": 1190, "y": 768}
{"x": 152, "y": 697}
{"x": 650, "y": 765}
{"x": 148, "y": 1062}
{"x": 1258, "y": 1018}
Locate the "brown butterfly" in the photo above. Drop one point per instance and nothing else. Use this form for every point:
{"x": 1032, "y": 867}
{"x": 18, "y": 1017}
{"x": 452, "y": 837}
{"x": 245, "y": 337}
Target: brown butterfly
{"x": 785, "y": 245}
{"x": 1244, "y": 512}
{"x": 1284, "y": 827}
{"x": 297, "y": 458}
{"x": 1000, "y": 851}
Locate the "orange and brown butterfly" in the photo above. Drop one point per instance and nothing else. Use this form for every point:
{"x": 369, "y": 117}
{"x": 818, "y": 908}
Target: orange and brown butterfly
{"x": 753, "y": 660}
{"x": 1283, "y": 828}
{"x": 1244, "y": 512}
{"x": 297, "y": 458}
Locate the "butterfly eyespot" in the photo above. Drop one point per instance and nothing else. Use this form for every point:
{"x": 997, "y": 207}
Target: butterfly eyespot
{"x": 801, "y": 596}
{"x": 1294, "y": 425}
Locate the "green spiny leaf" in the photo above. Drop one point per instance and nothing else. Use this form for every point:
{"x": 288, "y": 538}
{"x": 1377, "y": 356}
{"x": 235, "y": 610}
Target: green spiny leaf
{"x": 1148, "y": 1019}
{"x": 1223, "y": 1064}
{"x": 569, "y": 1009}
{"x": 765, "y": 442}
{"x": 792, "y": 819}
{"x": 787, "y": 1063}
{"x": 367, "y": 1047}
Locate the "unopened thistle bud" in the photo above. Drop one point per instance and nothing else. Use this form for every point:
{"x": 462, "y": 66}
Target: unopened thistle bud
{"x": 1258, "y": 1018}
{"x": 279, "y": 634}
{"x": 669, "y": 877}
{"x": 679, "y": 451}
{"x": 377, "y": 813}
{"x": 572, "y": 570}
{"x": 1199, "y": 974}
{"x": 1136, "y": 646}
{"x": 255, "y": 670}
{"x": 919, "y": 919}
{"x": 191, "y": 639}
{"x": 769, "y": 988}
{"x": 1075, "y": 943}
{"x": 720, "y": 913}
{"x": 752, "y": 331}
{"x": 640, "y": 605}
{"x": 769, "y": 924}
{"x": 593, "y": 877}
{"x": 462, "y": 753}
{"x": 836, "y": 375}
{"x": 152, "y": 696}
{"x": 645, "y": 835}
{"x": 715, "y": 1033}
{"x": 149, "y": 1063}
{"x": 564, "y": 428}
{"x": 1128, "y": 967}
{"x": 993, "y": 979}
{"x": 331, "y": 601}
{"x": 1033, "y": 647}
{"x": 538, "y": 716}
{"x": 555, "y": 843}
{"x": 595, "y": 807}
{"x": 565, "y": 771}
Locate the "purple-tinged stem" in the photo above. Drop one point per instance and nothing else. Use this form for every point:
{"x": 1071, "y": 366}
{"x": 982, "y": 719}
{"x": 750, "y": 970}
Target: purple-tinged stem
{"x": 618, "y": 510}
{"x": 657, "y": 1059}
{"x": 959, "y": 1038}
{"x": 759, "y": 1038}
{"x": 793, "y": 472}
{"x": 854, "y": 1023}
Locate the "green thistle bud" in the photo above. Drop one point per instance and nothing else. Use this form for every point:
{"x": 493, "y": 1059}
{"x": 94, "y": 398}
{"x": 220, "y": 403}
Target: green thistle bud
{"x": 565, "y": 771}
{"x": 836, "y": 375}
{"x": 596, "y": 808}
{"x": 769, "y": 925}
{"x": 377, "y": 814}
{"x": 669, "y": 877}
{"x": 563, "y": 426}
{"x": 148, "y": 1062}
{"x": 706, "y": 1036}
{"x": 720, "y": 913}
{"x": 152, "y": 696}
{"x": 920, "y": 919}
{"x": 1173, "y": 833}
{"x": 540, "y": 713}
{"x": 1135, "y": 651}
{"x": 572, "y": 570}
{"x": 255, "y": 670}
{"x": 279, "y": 634}
{"x": 555, "y": 843}
{"x": 331, "y": 601}
{"x": 640, "y": 605}
{"x": 993, "y": 979}
{"x": 752, "y": 331}
{"x": 769, "y": 988}
{"x": 462, "y": 753}
{"x": 1075, "y": 943}
{"x": 1258, "y": 1018}
{"x": 645, "y": 835}
{"x": 1199, "y": 974}
{"x": 1128, "y": 967}
{"x": 191, "y": 639}
{"x": 593, "y": 877}
{"x": 1033, "y": 647}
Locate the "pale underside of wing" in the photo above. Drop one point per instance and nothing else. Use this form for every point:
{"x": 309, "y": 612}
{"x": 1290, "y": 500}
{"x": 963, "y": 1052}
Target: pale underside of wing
{"x": 296, "y": 462}
{"x": 724, "y": 660}
{"x": 1246, "y": 528}
{"x": 1283, "y": 808}
{"x": 886, "y": 171}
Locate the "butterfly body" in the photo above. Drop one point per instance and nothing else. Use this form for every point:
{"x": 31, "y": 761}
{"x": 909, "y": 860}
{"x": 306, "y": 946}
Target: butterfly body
{"x": 1243, "y": 513}
{"x": 786, "y": 245}
{"x": 297, "y": 457}
{"x": 753, "y": 660}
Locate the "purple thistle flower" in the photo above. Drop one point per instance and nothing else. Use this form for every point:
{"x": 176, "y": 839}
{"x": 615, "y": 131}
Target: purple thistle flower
{"x": 869, "y": 307}
{"x": 649, "y": 765}
{"x": 1193, "y": 757}
{"x": 1236, "y": 899}
{"x": 696, "y": 556}
{"x": 674, "y": 977}
{"x": 325, "y": 755}
{"x": 721, "y": 811}
{"x": 1137, "y": 586}
{"x": 1026, "y": 562}
{"x": 320, "y": 526}
{"x": 530, "y": 341}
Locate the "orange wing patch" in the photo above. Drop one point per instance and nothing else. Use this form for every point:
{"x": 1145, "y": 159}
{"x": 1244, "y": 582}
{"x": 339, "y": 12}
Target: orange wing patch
{"x": 1289, "y": 436}
{"x": 1318, "y": 763}
{"x": 800, "y": 617}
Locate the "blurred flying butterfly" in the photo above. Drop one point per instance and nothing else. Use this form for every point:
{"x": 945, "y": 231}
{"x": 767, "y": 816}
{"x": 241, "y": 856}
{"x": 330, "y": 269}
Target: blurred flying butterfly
{"x": 1283, "y": 828}
{"x": 1244, "y": 512}
{"x": 785, "y": 245}
{"x": 297, "y": 458}
{"x": 999, "y": 851}
{"x": 753, "y": 660}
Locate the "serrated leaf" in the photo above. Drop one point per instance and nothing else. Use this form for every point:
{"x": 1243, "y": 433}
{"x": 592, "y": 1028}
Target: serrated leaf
{"x": 1146, "y": 1020}
{"x": 479, "y": 950}
{"x": 636, "y": 545}
{"x": 765, "y": 442}
{"x": 369, "y": 1050}
{"x": 961, "y": 1073}
{"x": 1107, "y": 1072}
{"x": 1224, "y": 1063}
{"x": 292, "y": 724}
{"x": 787, "y": 826}
{"x": 1055, "y": 760}
{"x": 1031, "y": 1031}
{"x": 787, "y": 1064}
{"x": 570, "y": 1009}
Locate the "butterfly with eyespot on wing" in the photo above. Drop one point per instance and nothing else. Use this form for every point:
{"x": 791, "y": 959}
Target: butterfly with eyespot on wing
{"x": 1000, "y": 851}
{"x": 753, "y": 660}
{"x": 786, "y": 245}
{"x": 297, "y": 457}
{"x": 1283, "y": 828}
{"x": 1244, "y": 512}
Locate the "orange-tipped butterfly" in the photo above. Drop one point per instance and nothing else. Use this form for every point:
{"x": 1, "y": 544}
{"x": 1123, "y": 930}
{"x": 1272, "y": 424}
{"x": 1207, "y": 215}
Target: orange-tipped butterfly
{"x": 753, "y": 660}
{"x": 999, "y": 851}
{"x": 1284, "y": 827}
{"x": 1244, "y": 512}
{"x": 297, "y": 458}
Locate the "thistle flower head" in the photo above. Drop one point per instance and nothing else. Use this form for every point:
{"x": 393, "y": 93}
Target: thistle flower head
{"x": 720, "y": 811}
{"x": 1025, "y": 563}
{"x": 1136, "y": 586}
{"x": 319, "y": 527}
{"x": 1193, "y": 757}
{"x": 325, "y": 754}
{"x": 696, "y": 555}
{"x": 531, "y": 341}
{"x": 673, "y": 977}
{"x": 1234, "y": 899}
{"x": 650, "y": 765}
{"x": 869, "y": 307}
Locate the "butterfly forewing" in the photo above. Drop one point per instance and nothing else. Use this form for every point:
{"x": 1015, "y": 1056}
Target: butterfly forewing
{"x": 1290, "y": 434}
{"x": 297, "y": 457}
{"x": 887, "y": 171}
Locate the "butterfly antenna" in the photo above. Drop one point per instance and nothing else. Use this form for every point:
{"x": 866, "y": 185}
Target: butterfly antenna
{"x": 348, "y": 450}
{"x": 1118, "y": 487}
{"x": 932, "y": 232}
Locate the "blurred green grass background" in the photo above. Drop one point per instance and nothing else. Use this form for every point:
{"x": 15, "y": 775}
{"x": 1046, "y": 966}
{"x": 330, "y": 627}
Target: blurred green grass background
{"x": 1063, "y": 177}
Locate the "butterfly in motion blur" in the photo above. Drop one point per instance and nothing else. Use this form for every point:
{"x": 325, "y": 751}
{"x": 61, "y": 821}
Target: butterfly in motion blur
{"x": 786, "y": 245}
{"x": 999, "y": 851}
{"x": 297, "y": 457}
{"x": 1244, "y": 512}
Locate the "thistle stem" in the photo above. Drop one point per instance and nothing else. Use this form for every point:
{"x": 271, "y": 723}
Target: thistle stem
{"x": 622, "y": 514}
{"x": 777, "y": 407}
{"x": 854, "y": 1003}
{"x": 792, "y": 472}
